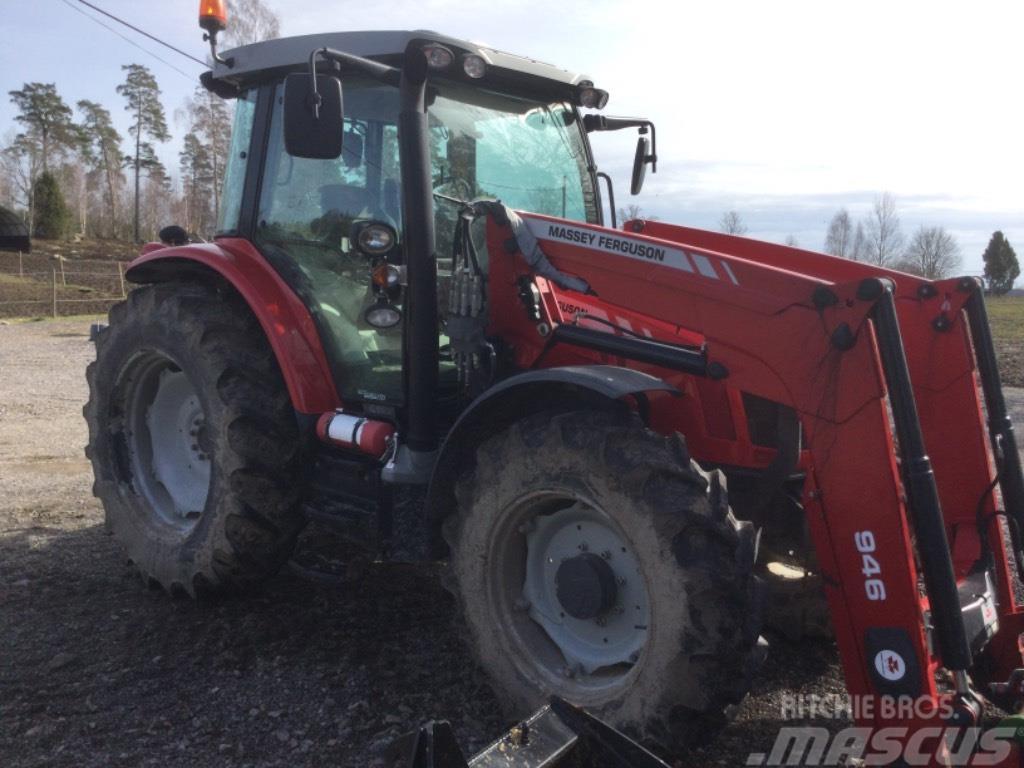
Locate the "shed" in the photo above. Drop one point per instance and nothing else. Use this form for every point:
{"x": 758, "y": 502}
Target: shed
{"x": 13, "y": 232}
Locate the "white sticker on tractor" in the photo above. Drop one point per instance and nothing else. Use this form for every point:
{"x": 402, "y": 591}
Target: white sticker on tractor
{"x": 626, "y": 246}
{"x": 890, "y": 665}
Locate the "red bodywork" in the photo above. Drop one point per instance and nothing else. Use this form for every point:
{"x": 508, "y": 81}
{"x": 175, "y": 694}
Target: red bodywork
{"x": 283, "y": 315}
{"x": 751, "y": 304}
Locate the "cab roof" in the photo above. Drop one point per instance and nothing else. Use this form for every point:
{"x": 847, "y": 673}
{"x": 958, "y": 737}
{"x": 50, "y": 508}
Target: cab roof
{"x": 250, "y": 62}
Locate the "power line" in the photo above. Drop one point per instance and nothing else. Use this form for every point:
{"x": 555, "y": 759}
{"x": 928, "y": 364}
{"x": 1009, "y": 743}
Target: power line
{"x": 154, "y": 38}
{"x": 128, "y": 40}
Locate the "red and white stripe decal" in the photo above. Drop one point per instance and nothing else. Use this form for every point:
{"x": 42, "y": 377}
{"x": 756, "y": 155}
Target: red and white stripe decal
{"x": 621, "y": 244}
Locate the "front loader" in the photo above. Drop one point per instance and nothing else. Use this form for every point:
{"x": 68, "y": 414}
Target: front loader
{"x": 415, "y": 327}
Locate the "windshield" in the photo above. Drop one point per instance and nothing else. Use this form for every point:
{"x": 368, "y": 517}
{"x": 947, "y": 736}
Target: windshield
{"x": 530, "y": 156}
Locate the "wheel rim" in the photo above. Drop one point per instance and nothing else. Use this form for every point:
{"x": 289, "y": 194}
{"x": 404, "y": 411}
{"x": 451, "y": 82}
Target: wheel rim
{"x": 568, "y": 593}
{"x": 167, "y": 442}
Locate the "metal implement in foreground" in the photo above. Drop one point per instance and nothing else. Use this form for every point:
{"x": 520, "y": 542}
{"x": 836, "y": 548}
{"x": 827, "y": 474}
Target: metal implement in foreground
{"x": 414, "y": 327}
{"x": 558, "y": 734}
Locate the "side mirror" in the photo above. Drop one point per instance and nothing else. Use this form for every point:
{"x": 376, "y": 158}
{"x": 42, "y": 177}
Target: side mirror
{"x": 640, "y": 160}
{"x": 313, "y": 120}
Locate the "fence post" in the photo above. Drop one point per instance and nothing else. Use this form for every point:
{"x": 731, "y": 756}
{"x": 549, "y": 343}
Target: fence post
{"x": 21, "y": 265}
{"x": 120, "y": 274}
{"x": 63, "y": 280}
{"x": 54, "y": 271}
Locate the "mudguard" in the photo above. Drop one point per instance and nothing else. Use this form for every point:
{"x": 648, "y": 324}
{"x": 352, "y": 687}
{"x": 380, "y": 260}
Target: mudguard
{"x": 567, "y": 387}
{"x": 284, "y": 317}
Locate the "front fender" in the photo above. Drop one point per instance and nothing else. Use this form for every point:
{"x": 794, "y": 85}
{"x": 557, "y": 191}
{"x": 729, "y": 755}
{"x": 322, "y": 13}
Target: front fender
{"x": 565, "y": 388}
{"x": 282, "y": 315}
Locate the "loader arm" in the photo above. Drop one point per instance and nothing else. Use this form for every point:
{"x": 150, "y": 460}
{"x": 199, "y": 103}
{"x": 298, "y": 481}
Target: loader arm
{"x": 845, "y": 345}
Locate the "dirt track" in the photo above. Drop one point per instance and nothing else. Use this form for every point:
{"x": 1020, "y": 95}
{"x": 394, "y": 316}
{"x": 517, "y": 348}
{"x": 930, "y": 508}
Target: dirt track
{"x": 96, "y": 671}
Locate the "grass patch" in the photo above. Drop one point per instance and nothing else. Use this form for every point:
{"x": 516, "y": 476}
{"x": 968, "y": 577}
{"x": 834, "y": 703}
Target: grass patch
{"x": 1006, "y": 316}
{"x": 24, "y": 296}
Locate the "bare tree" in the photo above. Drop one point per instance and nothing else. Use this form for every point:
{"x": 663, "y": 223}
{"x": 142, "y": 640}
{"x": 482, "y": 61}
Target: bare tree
{"x": 250, "y": 21}
{"x": 859, "y": 248}
{"x": 933, "y": 253}
{"x": 884, "y": 238}
{"x": 839, "y": 238}
{"x": 791, "y": 241}
{"x": 634, "y": 211}
{"x": 20, "y": 163}
{"x": 732, "y": 223}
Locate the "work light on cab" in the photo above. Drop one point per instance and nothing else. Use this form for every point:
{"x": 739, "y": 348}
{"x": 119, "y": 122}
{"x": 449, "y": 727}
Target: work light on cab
{"x": 474, "y": 66}
{"x": 438, "y": 57}
{"x": 374, "y": 238}
{"x": 589, "y": 97}
{"x": 383, "y": 314}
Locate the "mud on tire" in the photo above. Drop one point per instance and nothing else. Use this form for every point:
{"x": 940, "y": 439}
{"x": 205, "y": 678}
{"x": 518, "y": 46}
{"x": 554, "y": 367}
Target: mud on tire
{"x": 696, "y": 559}
{"x": 248, "y": 524}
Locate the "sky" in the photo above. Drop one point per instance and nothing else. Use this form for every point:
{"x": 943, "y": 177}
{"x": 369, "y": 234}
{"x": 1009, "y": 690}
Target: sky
{"x": 784, "y": 111}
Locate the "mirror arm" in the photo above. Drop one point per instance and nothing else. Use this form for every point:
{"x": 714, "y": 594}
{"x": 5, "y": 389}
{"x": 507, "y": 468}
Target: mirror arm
{"x": 653, "y": 157}
{"x": 611, "y": 196}
{"x": 380, "y": 72}
{"x": 593, "y": 123}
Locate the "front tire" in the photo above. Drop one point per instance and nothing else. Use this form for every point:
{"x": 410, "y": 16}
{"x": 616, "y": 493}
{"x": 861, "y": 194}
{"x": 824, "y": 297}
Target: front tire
{"x": 195, "y": 449}
{"x": 677, "y": 568}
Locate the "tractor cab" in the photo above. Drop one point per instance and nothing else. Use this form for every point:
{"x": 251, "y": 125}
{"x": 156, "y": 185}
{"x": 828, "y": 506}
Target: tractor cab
{"x": 348, "y": 218}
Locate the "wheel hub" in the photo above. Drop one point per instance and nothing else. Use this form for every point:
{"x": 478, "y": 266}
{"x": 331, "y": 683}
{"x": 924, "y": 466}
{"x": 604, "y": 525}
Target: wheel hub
{"x": 176, "y": 421}
{"x": 584, "y": 587}
{"x": 170, "y": 464}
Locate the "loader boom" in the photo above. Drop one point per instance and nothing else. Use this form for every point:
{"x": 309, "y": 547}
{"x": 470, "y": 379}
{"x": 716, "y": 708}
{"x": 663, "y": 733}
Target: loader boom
{"x": 863, "y": 355}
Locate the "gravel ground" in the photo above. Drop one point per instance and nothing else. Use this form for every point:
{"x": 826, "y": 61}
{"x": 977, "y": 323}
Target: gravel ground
{"x": 97, "y": 671}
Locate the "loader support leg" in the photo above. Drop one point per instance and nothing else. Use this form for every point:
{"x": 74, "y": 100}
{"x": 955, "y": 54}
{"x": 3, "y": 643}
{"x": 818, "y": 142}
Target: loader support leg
{"x": 1000, "y": 428}
{"x": 922, "y": 492}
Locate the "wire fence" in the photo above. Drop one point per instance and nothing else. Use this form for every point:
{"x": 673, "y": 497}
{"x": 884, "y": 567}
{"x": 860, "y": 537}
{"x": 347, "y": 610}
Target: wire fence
{"x": 33, "y": 285}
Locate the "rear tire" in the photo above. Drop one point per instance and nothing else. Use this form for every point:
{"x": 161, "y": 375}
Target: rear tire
{"x": 699, "y": 646}
{"x": 195, "y": 449}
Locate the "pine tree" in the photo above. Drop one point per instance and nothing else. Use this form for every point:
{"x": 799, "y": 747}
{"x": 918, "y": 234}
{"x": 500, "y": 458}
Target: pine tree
{"x": 1001, "y": 267}
{"x": 47, "y": 120}
{"x": 142, "y": 95}
{"x": 103, "y": 152}
{"x": 52, "y": 215}
{"x": 210, "y": 122}
{"x": 197, "y": 179}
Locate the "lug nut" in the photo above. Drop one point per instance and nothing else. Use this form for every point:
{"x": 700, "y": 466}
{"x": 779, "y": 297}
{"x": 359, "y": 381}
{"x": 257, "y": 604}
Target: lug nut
{"x": 606, "y": 555}
{"x": 583, "y": 547}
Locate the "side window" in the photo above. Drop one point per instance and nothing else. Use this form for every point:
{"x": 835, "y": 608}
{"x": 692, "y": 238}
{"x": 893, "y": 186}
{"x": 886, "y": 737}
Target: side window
{"x": 238, "y": 154}
{"x": 306, "y": 211}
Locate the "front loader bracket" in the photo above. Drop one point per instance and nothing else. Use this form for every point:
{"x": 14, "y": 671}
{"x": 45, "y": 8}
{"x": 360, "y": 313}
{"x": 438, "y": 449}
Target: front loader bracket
{"x": 557, "y": 734}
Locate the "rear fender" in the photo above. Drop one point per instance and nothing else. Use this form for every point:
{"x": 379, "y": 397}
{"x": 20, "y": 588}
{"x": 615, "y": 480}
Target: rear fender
{"x": 549, "y": 389}
{"x": 282, "y": 315}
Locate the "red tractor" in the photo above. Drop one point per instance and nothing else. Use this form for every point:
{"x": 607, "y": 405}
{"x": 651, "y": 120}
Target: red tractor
{"x": 416, "y": 326}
